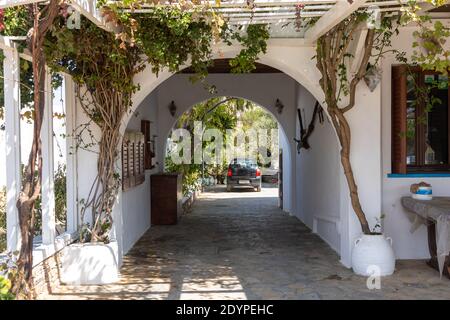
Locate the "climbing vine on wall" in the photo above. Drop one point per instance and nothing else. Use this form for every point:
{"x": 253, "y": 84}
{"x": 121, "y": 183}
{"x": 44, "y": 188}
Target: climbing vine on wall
{"x": 254, "y": 42}
{"x": 430, "y": 39}
{"x": 103, "y": 64}
{"x": 103, "y": 69}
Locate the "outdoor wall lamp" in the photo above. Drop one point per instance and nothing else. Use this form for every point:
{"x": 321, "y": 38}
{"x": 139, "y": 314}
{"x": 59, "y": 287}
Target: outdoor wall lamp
{"x": 279, "y": 106}
{"x": 172, "y": 108}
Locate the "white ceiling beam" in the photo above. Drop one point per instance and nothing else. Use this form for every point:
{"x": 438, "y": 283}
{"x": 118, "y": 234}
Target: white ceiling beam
{"x": 267, "y": 3}
{"x": 15, "y": 3}
{"x": 273, "y": 9}
{"x": 341, "y": 10}
{"x": 272, "y": 14}
{"x": 244, "y": 4}
{"x": 7, "y": 43}
{"x": 88, "y": 8}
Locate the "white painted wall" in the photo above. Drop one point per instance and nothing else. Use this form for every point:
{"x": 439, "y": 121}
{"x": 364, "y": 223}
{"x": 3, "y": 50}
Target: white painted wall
{"x": 396, "y": 224}
{"x": 323, "y": 198}
{"x": 287, "y": 172}
{"x": 86, "y": 158}
{"x": 318, "y": 172}
{"x": 136, "y": 211}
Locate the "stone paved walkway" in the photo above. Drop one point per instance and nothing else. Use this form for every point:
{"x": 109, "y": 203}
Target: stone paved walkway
{"x": 239, "y": 245}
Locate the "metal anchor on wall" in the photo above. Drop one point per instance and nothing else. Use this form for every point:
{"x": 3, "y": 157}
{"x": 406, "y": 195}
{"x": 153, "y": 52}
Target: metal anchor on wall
{"x": 306, "y": 133}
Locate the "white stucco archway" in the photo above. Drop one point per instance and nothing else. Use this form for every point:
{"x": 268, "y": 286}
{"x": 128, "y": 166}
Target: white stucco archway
{"x": 287, "y": 55}
{"x": 292, "y": 58}
{"x": 288, "y": 166}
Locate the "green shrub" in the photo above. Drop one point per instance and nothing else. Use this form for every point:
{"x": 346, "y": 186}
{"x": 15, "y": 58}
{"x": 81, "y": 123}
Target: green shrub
{"x": 5, "y": 287}
{"x": 191, "y": 174}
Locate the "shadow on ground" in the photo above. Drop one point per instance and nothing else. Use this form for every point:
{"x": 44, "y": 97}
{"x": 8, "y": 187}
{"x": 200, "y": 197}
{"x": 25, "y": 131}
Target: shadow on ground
{"x": 240, "y": 245}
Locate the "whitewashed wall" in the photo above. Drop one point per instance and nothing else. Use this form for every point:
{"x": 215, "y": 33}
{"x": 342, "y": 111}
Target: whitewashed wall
{"x": 136, "y": 211}
{"x": 396, "y": 223}
{"x": 318, "y": 176}
{"x": 288, "y": 176}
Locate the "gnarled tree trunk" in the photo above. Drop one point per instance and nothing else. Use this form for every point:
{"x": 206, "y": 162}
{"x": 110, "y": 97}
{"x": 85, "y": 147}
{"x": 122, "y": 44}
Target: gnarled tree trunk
{"x": 332, "y": 51}
{"x": 31, "y": 188}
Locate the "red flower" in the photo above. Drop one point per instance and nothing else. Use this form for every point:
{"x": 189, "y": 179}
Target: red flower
{"x": 2, "y": 20}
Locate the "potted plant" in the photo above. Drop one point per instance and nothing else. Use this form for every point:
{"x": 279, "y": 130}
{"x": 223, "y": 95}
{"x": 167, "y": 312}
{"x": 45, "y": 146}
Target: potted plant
{"x": 90, "y": 263}
{"x": 373, "y": 249}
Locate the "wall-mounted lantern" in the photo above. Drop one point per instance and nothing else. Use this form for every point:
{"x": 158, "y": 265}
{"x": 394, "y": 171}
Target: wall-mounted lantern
{"x": 172, "y": 108}
{"x": 372, "y": 78}
{"x": 279, "y": 106}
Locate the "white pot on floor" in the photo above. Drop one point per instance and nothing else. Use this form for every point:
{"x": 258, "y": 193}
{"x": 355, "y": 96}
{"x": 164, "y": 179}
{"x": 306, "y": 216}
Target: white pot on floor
{"x": 90, "y": 263}
{"x": 372, "y": 254}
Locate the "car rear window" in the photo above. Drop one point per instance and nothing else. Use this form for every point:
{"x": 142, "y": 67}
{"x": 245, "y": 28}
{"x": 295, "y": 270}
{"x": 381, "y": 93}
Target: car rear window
{"x": 243, "y": 163}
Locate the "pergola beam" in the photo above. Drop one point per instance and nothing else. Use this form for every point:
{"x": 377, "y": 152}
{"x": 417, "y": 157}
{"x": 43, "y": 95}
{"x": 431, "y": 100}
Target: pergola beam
{"x": 88, "y": 8}
{"x": 15, "y": 3}
{"x": 341, "y": 10}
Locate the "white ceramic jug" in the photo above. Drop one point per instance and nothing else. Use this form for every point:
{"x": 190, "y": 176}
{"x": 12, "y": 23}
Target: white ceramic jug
{"x": 373, "y": 252}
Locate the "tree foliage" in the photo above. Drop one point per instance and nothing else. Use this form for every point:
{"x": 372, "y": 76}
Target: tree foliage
{"x": 221, "y": 113}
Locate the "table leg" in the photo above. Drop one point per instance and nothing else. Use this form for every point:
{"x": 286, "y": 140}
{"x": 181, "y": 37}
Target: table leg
{"x": 433, "y": 262}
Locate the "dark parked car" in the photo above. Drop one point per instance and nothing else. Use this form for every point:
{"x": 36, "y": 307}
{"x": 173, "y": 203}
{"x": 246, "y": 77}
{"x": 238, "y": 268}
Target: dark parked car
{"x": 243, "y": 172}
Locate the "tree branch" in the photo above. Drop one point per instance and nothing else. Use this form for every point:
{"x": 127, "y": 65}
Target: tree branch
{"x": 361, "y": 70}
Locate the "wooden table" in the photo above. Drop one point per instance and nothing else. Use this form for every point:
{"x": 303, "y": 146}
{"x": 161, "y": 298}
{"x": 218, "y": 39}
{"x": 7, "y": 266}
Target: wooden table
{"x": 435, "y": 214}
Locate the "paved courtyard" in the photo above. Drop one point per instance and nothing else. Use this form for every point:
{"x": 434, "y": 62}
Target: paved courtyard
{"x": 239, "y": 245}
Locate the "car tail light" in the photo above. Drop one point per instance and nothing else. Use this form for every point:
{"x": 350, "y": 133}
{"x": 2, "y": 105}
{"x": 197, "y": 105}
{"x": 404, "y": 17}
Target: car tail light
{"x": 230, "y": 173}
{"x": 258, "y": 172}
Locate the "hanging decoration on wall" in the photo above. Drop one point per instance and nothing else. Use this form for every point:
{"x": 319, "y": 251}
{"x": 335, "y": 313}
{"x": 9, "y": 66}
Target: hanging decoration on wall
{"x": 372, "y": 77}
{"x": 149, "y": 144}
{"x": 172, "y": 108}
{"x": 305, "y": 133}
{"x": 279, "y": 106}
